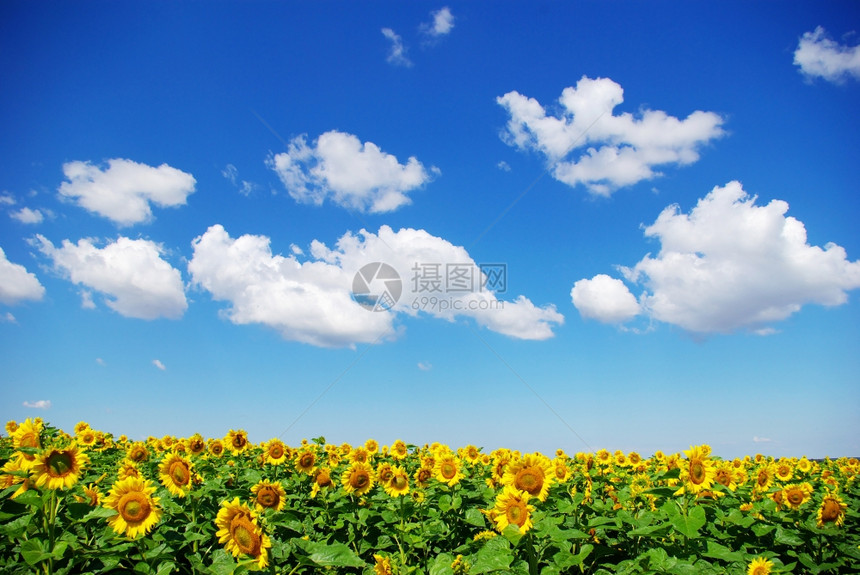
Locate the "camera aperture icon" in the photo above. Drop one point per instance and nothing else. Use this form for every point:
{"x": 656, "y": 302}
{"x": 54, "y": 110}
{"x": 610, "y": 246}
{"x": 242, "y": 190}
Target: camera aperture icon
{"x": 377, "y": 286}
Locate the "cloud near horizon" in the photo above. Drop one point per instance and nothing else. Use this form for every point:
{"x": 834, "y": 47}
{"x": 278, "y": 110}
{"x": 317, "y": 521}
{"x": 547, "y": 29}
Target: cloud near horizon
{"x": 587, "y": 144}
{"x": 354, "y": 175}
{"x": 131, "y": 275}
{"x": 728, "y": 265}
{"x": 124, "y": 190}
{"x": 311, "y": 301}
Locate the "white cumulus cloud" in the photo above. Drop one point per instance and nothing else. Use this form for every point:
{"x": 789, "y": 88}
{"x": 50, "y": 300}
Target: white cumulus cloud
{"x": 586, "y": 143}
{"x": 27, "y": 216}
{"x": 157, "y": 363}
{"x": 352, "y": 174}
{"x": 311, "y": 301}
{"x": 731, "y": 264}
{"x": 605, "y": 299}
{"x": 397, "y": 52}
{"x": 124, "y": 190}
{"x": 40, "y": 404}
{"x": 818, "y": 55}
{"x": 135, "y": 280}
{"x": 16, "y": 283}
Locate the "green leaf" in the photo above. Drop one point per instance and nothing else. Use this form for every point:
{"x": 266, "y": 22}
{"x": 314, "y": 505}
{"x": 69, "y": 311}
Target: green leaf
{"x": 165, "y": 567}
{"x": 512, "y": 534}
{"x": 648, "y": 529}
{"x": 33, "y": 552}
{"x": 689, "y": 526}
{"x": 222, "y": 563}
{"x": 474, "y": 517}
{"x": 717, "y": 551}
{"x": 564, "y": 560}
{"x": 99, "y": 513}
{"x": 441, "y": 564}
{"x": 495, "y": 555}
{"x": 30, "y": 498}
{"x": 790, "y": 538}
{"x": 663, "y": 492}
{"x": 333, "y": 555}
{"x": 762, "y": 529}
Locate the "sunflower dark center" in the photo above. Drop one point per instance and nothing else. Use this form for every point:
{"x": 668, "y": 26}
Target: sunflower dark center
{"x": 529, "y": 480}
{"x": 134, "y": 507}
{"x": 830, "y": 511}
{"x": 697, "y": 471}
{"x": 60, "y": 463}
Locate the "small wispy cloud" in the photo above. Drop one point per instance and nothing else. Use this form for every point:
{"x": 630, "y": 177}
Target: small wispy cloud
{"x": 757, "y": 439}
{"x": 504, "y": 166}
{"x": 425, "y": 366}
{"x": 40, "y": 404}
{"x": 245, "y": 187}
{"x": 8, "y": 318}
{"x": 100, "y": 361}
{"x": 27, "y": 216}
{"x": 441, "y": 25}
{"x": 157, "y": 363}
{"x": 397, "y": 53}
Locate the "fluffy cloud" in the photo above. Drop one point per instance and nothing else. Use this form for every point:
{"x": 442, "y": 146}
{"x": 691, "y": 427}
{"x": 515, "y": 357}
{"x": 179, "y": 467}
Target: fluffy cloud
{"x": 605, "y": 299}
{"x": 311, "y": 301}
{"x": 442, "y": 24}
{"x": 157, "y": 363}
{"x": 27, "y": 216}
{"x": 131, "y": 274}
{"x": 124, "y": 190}
{"x": 588, "y": 144}
{"x": 818, "y": 55}
{"x": 351, "y": 174}
{"x": 16, "y": 283}
{"x": 397, "y": 53}
{"x": 730, "y": 264}
{"x": 40, "y": 404}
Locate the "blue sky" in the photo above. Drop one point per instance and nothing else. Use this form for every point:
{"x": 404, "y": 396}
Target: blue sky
{"x": 187, "y": 192}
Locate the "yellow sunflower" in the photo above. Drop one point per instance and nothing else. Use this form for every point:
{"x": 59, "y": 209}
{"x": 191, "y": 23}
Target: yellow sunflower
{"x": 196, "y": 444}
{"x": 80, "y": 427}
{"x": 372, "y": 446}
{"x": 276, "y": 452}
{"x": 561, "y": 471}
{"x": 240, "y": 533}
{"x": 306, "y": 461}
{"x": 397, "y": 483}
{"x": 423, "y": 475}
{"x": 470, "y": 453}
{"x": 764, "y": 477}
{"x": 783, "y": 470}
{"x": 137, "y": 510}
{"x": 382, "y": 565}
{"x": 237, "y": 441}
{"x": 796, "y": 494}
{"x": 359, "y": 455}
{"x": 533, "y": 474}
{"x": 322, "y": 480}
{"x": 57, "y": 468}
{"x": 268, "y": 495}
{"x": 804, "y": 465}
{"x": 8, "y": 479}
{"x": 725, "y": 476}
{"x": 216, "y": 447}
{"x": 399, "y": 450}
{"x": 512, "y": 508}
{"x": 358, "y": 478}
{"x": 448, "y": 470}
{"x": 759, "y": 566}
{"x": 128, "y": 468}
{"x": 176, "y": 474}
{"x": 137, "y": 452}
{"x": 697, "y": 471}
{"x": 27, "y": 435}
{"x": 91, "y": 496}
{"x": 11, "y": 426}
{"x": 87, "y": 437}
{"x": 831, "y": 511}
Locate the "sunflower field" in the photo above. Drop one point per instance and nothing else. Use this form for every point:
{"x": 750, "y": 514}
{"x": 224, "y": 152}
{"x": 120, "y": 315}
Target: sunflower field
{"x": 86, "y": 502}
